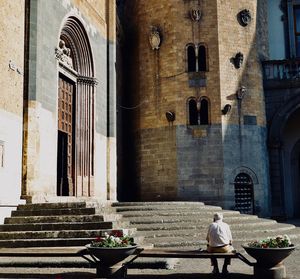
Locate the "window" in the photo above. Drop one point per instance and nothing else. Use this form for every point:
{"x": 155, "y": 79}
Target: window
{"x": 193, "y": 112}
{"x": 202, "y": 58}
{"x": 294, "y": 27}
{"x": 191, "y": 58}
{"x": 198, "y": 111}
{"x": 196, "y": 58}
{"x": 204, "y": 112}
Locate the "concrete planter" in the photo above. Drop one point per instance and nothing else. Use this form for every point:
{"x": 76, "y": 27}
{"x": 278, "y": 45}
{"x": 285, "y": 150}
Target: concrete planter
{"x": 108, "y": 260}
{"x": 269, "y": 261}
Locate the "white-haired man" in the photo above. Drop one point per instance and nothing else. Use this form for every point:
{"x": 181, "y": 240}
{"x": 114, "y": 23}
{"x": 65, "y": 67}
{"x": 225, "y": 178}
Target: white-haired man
{"x": 219, "y": 240}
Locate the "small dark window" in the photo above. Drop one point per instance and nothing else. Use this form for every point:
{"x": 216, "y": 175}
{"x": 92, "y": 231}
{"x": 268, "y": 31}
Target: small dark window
{"x": 243, "y": 189}
{"x": 193, "y": 113}
{"x": 202, "y": 59}
{"x": 191, "y": 59}
{"x": 204, "y": 112}
{"x": 297, "y": 29}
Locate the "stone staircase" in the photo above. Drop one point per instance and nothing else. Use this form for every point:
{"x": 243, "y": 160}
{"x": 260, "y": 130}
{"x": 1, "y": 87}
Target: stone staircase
{"x": 157, "y": 224}
{"x": 56, "y": 224}
{"x": 184, "y": 224}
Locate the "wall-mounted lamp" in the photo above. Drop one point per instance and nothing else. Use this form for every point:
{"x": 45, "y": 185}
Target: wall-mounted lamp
{"x": 226, "y": 109}
{"x": 170, "y": 115}
{"x": 241, "y": 92}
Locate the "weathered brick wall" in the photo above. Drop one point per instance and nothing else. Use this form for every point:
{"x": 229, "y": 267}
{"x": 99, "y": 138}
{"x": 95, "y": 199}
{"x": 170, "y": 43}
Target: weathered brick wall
{"x": 208, "y": 156}
{"x": 157, "y": 164}
{"x": 244, "y": 128}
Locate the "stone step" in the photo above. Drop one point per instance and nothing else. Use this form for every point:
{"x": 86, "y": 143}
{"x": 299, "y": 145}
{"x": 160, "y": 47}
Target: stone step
{"x": 271, "y": 230}
{"x": 52, "y": 242}
{"x": 207, "y": 208}
{"x": 198, "y": 218}
{"x": 186, "y": 213}
{"x": 164, "y": 203}
{"x": 57, "y": 226}
{"x": 188, "y": 242}
{"x": 52, "y": 234}
{"x": 54, "y": 219}
{"x": 39, "y": 206}
{"x": 56, "y": 211}
{"x": 245, "y": 224}
{"x": 55, "y": 242}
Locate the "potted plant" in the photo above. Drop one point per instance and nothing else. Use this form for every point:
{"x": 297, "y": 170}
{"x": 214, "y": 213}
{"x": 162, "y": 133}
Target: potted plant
{"x": 269, "y": 254}
{"x": 109, "y": 250}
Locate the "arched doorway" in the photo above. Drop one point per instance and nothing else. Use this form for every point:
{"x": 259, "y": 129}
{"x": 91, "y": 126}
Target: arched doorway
{"x": 291, "y": 171}
{"x": 76, "y": 88}
{"x": 284, "y": 135}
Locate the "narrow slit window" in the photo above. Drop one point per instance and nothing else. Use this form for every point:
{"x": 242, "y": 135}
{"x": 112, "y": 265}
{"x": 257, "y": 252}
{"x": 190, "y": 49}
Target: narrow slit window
{"x": 204, "y": 112}
{"x": 202, "y": 59}
{"x": 193, "y": 113}
{"x": 191, "y": 59}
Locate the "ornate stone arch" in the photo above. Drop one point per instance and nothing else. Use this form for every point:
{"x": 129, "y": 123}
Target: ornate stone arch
{"x": 280, "y": 118}
{"x": 76, "y": 71}
{"x": 246, "y": 170}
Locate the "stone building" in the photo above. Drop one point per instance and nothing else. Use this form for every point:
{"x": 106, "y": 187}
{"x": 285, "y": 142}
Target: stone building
{"x": 282, "y": 97}
{"x": 195, "y": 89}
{"x": 57, "y": 107}
{"x": 207, "y": 105}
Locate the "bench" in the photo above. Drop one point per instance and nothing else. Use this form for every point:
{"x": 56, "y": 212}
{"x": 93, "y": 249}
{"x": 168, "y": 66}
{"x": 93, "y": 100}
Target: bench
{"x": 120, "y": 269}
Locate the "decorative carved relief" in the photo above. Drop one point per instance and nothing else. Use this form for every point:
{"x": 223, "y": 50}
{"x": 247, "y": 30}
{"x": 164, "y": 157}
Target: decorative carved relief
{"x": 238, "y": 60}
{"x": 244, "y": 17}
{"x": 195, "y": 15}
{"x": 63, "y": 54}
{"x": 154, "y": 38}
{"x": 241, "y": 92}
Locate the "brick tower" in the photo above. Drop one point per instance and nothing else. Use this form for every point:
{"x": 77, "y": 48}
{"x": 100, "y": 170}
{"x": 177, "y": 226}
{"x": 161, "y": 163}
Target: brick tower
{"x": 198, "y": 108}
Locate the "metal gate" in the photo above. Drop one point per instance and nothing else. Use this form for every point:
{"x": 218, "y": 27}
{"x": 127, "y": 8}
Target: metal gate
{"x": 244, "y": 197}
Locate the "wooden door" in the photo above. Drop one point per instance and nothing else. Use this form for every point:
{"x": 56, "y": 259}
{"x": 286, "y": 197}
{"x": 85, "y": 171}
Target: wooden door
{"x": 65, "y": 156}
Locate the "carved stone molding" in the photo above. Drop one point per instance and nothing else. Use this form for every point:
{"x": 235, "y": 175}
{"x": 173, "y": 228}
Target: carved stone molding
{"x": 238, "y": 60}
{"x": 155, "y": 38}
{"x": 87, "y": 80}
{"x": 241, "y": 93}
{"x": 195, "y": 14}
{"x": 63, "y": 54}
{"x": 244, "y": 17}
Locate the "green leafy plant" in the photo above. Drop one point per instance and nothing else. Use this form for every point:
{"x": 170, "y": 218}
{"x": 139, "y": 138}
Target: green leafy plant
{"x": 279, "y": 241}
{"x": 113, "y": 239}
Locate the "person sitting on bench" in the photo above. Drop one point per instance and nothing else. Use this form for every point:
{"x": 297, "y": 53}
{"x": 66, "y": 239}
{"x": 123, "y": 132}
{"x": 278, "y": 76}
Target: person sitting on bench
{"x": 219, "y": 240}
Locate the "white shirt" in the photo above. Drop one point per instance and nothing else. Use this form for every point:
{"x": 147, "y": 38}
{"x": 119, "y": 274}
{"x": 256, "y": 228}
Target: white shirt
{"x": 218, "y": 234}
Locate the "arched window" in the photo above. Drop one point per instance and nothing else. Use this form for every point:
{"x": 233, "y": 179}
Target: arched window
{"x": 244, "y": 197}
{"x": 193, "y": 113}
{"x": 204, "y": 110}
{"x": 191, "y": 57}
{"x": 202, "y": 58}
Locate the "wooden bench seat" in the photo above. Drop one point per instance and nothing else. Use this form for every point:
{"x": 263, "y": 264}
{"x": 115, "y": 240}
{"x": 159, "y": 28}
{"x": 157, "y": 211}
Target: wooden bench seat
{"x": 120, "y": 269}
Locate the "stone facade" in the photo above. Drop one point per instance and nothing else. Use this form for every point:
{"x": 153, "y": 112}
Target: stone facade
{"x": 34, "y": 86}
{"x": 11, "y": 103}
{"x": 178, "y": 161}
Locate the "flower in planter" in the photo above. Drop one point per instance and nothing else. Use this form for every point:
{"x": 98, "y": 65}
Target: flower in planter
{"x": 278, "y": 241}
{"x": 114, "y": 239}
